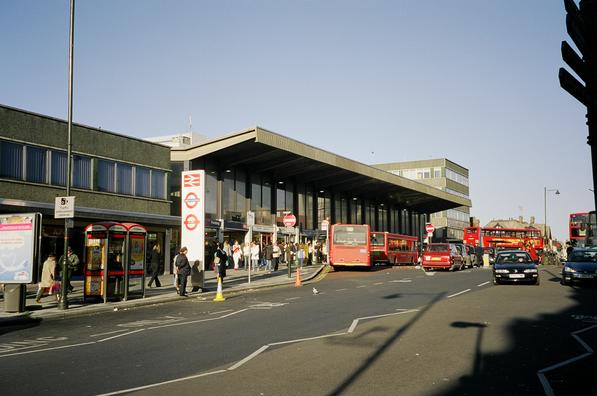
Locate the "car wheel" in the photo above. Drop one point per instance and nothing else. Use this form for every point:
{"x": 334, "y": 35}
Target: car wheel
{"x": 495, "y": 281}
{"x": 537, "y": 282}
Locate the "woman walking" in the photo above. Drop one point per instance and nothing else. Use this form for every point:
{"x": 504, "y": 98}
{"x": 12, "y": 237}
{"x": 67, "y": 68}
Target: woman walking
{"x": 236, "y": 254}
{"x": 48, "y": 275}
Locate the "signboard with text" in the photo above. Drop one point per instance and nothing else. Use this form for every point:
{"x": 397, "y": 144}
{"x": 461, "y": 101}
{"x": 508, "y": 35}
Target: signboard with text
{"x": 64, "y": 207}
{"x": 193, "y": 215}
{"x": 17, "y": 247}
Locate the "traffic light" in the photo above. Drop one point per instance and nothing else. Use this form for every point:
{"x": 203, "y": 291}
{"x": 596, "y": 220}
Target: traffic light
{"x": 581, "y": 24}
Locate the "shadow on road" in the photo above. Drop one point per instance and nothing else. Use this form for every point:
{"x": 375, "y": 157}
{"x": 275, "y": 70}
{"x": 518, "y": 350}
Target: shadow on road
{"x": 536, "y": 345}
{"x": 352, "y": 378}
{"x": 8, "y": 325}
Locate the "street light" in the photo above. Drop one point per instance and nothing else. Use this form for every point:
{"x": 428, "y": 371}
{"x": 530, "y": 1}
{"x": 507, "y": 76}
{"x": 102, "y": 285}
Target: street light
{"x": 545, "y": 191}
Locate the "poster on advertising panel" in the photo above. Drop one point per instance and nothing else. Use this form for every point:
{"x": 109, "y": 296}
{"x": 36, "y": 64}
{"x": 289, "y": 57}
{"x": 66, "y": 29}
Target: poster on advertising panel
{"x": 17, "y": 247}
{"x": 193, "y": 215}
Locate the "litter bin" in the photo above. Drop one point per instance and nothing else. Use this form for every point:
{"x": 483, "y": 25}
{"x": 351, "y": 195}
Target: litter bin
{"x": 14, "y": 297}
{"x": 197, "y": 275}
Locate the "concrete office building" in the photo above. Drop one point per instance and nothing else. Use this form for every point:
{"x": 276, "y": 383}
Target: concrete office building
{"x": 443, "y": 175}
{"x": 114, "y": 177}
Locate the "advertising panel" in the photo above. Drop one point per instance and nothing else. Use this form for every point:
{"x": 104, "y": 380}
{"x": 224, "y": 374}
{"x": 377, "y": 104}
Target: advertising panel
{"x": 17, "y": 247}
{"x": 193, "y": 214}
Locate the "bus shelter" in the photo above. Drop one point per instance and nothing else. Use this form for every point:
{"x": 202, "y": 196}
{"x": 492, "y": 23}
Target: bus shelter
{"x": 114, "y": 261}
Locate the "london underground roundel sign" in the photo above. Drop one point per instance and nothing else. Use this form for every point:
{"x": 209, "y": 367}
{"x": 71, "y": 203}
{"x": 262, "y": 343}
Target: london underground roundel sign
{"x": 429, "y": 228}
{"x": 289, "y": 220}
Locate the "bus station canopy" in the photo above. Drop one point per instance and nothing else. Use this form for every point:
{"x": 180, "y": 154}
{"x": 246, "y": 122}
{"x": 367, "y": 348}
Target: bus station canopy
{"x": 261, "y": 151}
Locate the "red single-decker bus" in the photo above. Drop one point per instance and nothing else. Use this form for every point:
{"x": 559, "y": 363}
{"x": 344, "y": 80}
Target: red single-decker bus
{"x": 349, "y": 245}
{"x": 393, "y": 249}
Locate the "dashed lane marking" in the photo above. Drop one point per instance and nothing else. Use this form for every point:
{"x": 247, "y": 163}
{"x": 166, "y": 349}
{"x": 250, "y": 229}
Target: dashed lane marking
{"x": 483, "y": 284}
{"x": 378, "y": 283}
{"x": 459, "y": 293}
{"x": 341, "y": 289}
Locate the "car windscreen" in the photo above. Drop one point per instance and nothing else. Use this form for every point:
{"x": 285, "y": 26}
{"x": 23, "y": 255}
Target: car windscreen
{"x": 438, "y": 248}
{"x": 583, "y": 255}
{"x": 513, "y": 258}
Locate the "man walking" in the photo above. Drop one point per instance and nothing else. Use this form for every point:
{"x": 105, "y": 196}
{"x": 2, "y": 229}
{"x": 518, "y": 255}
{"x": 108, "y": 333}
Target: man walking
{"x": 72, "y": 264}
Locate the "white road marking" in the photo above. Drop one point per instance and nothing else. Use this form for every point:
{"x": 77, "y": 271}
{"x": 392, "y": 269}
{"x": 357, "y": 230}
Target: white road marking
{"x": 163, "y": 383}
{"x": 109, "y": 332}
{"x": 483, "y": 284}
{"x": 255, "y": 354}
{"x": 459, "y": 293}
{"x": 541, "y": 373}
{"x": 378, "y": 283}
{"x": 220, "y": 312}
{"x": 430, "y": 273}
{"x": 292, "y": 298}
{"x": 341, "y": 289}
{"x": 49, "y": 349}
{"x": 359, "y": 287}
{"x": 120, "y": 335}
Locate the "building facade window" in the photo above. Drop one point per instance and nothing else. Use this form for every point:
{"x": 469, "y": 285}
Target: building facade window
{"x": 58, "y": 168}
{"x": 324, "y": 207}
{"x": 11, "y": 160}
{"x": 124, "y": 179}
{"x": 36, "y": 164}
{"x": 211, "y": 194}
{"x": 142, "y": 182}
{"x": 82, "y": 172}
{"x": 456, "y": 177}
{"x": 106, "y": 176}
{"x": 158, "y": 184}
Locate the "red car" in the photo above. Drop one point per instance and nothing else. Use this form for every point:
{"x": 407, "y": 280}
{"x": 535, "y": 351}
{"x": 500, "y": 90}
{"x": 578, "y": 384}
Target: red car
{"x": 442, "y": 256}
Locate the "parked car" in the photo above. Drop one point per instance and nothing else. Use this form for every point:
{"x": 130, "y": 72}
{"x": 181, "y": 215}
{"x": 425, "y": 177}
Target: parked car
{"x": 581, "y": 266}
{"x": 442, "y": 255}
{"x": 472, "y": 251}
{"x": 514, "y": 266}
{"x": 467, "y": 258}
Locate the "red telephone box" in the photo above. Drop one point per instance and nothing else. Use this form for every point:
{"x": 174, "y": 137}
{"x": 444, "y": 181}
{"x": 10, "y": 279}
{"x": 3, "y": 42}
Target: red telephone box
{"x": 114, "y": 260}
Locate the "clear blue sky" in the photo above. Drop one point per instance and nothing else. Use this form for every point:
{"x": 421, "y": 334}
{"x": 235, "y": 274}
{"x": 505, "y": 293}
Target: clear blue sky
{"x": 376, "y": 81}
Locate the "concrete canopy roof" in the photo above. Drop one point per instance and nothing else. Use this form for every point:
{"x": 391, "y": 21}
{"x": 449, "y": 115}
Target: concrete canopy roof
{"x": 262, "y": 151}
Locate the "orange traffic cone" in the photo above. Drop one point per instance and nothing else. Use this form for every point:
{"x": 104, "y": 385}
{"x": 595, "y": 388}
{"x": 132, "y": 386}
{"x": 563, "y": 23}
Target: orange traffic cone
{"x": 219, "y": 295}
{"x": 297, "y": 282}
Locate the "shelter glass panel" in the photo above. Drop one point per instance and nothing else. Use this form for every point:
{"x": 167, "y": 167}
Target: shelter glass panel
{"x": 211, "y": 195}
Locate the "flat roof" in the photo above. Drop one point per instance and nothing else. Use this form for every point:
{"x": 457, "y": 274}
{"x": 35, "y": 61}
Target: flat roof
{"x": 262, "y": 151}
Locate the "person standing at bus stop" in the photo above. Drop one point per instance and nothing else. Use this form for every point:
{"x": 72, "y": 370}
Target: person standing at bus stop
{"x": 72, "y": 264}
{"x": 155, "y": 266}
{"x": 184, "y": 270}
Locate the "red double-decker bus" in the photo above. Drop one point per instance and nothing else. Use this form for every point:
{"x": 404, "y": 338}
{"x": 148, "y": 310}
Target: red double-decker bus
{"x": 578, "y": 225}
{"x": 393, "y": 249}
{"x": 472, "y": 236}
{"x": 350, "y": 245}
{"x": 529, "y": 239}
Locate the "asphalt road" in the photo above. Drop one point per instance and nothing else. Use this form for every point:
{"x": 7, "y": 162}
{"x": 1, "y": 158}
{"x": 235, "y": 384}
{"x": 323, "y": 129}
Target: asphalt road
{"x": 390, "y": 331}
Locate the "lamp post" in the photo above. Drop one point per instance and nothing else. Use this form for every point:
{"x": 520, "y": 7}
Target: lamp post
{"x": 545, "y": 191}
{"x": 63, "y": 303}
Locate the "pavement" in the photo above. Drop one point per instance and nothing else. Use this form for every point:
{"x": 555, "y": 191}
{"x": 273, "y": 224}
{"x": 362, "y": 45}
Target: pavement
{"x": 235, "y": 282}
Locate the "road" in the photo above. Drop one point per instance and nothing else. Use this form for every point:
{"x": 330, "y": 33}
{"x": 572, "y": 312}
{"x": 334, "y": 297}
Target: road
{"x": 389, "y": 331}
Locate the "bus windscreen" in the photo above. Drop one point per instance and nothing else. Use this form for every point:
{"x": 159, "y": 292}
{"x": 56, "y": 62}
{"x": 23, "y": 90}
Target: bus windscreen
{"x": 350, "y": 235}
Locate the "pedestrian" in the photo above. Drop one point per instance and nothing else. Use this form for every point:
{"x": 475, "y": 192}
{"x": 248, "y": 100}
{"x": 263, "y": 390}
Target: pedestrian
{"x": 300, "y": 254}
{"x": 72, "y": 265}
{"x": 246, "y": 255}
{"x": 310, "y": 255}
{"x": 268, "y": 255}
{"x": 236, "y": 254}
{"x": 287, "y": 253}
{"x": 184, "y": 269}
{"x": 228, "y": 252}
{"x": 276, "y": 253}
{"x": 48, "y": 277}
{"x": 221, "y": 265}
{"x": 155, "y": 266}
{"x": 175, "y": 274}
{"x": 254, "y": 255}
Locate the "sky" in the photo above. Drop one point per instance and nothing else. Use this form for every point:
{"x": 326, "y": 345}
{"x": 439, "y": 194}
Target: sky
{"x": 474, "y": 81}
